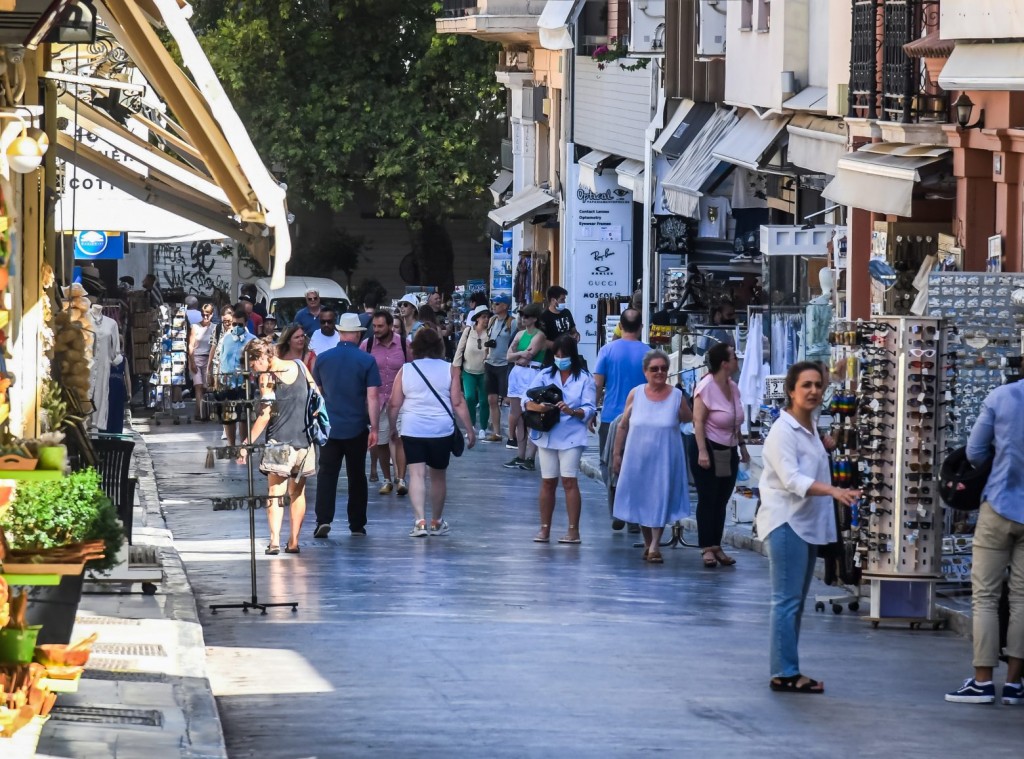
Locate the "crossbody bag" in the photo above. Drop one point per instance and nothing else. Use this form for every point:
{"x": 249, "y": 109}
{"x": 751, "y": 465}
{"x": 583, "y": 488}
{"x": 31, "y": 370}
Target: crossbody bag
{"x": 457, "y": 442}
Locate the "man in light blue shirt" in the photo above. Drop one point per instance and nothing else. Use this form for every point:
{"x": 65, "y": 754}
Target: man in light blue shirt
{"x": 619, "y": 369}
{"x": 998, "y": 543}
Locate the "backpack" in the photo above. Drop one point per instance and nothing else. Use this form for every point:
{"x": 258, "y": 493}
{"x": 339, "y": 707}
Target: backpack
{"x": 317, "y": 422}
{"x": 961, "y": 485}
{"x": 405, "y": 352}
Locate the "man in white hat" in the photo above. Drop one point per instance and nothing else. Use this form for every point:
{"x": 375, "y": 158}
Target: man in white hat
{"x": 348, "y": 379}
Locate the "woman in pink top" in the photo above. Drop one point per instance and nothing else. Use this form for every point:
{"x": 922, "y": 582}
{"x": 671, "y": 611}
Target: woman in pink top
{"x": 717, "y": 417}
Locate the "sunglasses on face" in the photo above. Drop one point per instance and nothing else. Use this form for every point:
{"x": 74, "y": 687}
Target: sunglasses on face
{"x": 657, "y": 369}
{"x": 312, "y": 297}
{"x": 327, "y": 321}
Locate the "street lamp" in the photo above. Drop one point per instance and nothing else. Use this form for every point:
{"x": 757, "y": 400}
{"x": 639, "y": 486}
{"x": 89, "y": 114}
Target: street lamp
{"x": 964, "y": 106}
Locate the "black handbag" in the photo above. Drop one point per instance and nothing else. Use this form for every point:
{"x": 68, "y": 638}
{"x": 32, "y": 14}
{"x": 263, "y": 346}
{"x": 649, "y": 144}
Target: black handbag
{"x": 961, "y": 485}
{"x": 458, "y": 443}
{"x": 543, "y": 421}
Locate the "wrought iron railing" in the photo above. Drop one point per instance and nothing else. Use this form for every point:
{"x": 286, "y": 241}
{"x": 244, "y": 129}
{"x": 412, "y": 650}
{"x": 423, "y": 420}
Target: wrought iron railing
{"x": 886, "y": 83}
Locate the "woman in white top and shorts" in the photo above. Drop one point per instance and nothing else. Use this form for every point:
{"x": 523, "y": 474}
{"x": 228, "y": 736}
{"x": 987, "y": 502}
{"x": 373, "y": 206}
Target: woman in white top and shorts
{"x": 795, "y": 517}
{"x": 427, "y": 426}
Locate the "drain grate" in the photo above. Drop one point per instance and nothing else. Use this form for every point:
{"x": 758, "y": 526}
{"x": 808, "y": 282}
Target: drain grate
{"x": 129, "y": 649}
{"x": 106, "y": 621}
{"x": 143, "y": 556}
{"x": 108, "y": 664}
{"x": 132, "y": 677}
{"x": 108, "y": 715}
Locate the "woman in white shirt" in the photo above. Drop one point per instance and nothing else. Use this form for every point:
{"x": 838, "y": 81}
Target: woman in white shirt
{"x": 561, "y": 448}
{"x": 795, "y": 517}
{"x": 469, "y": 359}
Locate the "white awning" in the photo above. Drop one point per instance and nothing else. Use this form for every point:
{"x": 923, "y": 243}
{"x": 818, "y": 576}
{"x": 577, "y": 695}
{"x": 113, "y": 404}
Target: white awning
{"x": 500, "y": 185}
{"x": 984, "y": 66}
{"x": 816, "y": 144}
{"x": 675, "y": 128}
{"x": 554, "y": 23}
{"x": 591, "y": 166}
{"x": 881, "y": 177}
{"x": 683, "y": 184}
{"x": 750, "y": 144}
{"x": 631, "y": 177}
{"x": 809, "y": 99}
{"x": 526, "y": 203}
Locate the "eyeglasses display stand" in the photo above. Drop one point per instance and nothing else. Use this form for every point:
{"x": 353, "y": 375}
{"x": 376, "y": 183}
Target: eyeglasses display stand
{"x": 888, "y": 410}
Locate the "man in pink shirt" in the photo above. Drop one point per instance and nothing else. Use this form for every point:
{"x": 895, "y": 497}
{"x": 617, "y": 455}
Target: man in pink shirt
{"x": 390, "y": 352}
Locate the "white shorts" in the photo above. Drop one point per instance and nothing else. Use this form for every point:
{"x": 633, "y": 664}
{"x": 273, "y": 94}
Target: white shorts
{"x": 383, "y": 428}
{"x": 520, "y": 379}
{"x": 564, "y": 463}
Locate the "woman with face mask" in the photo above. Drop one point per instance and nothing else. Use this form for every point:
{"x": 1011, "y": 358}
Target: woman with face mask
{"x": 231, "y": 378}
{"x": 560, "y": 449}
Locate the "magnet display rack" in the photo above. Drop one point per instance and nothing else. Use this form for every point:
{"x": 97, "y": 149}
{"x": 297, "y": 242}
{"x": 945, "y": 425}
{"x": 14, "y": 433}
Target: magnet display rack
{"x": 172, "y": 360}
{"x": 888, "y": 410}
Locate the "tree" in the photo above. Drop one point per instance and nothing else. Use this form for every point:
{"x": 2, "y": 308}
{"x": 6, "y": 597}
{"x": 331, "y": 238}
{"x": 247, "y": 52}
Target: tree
{"x": 362, "y": 96}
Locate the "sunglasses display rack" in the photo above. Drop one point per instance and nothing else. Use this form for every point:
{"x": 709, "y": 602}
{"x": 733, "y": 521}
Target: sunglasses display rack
{"x": 885, "y": 407}
{"x": 172, "y": 358}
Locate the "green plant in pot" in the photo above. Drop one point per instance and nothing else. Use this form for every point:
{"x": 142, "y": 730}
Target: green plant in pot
{"x": 50, "y": 451}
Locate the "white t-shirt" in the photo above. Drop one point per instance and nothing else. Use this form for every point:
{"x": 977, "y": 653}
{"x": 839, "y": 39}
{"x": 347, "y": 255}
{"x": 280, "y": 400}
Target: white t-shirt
{"x": 319, "y": 342}
{"x": 422, "y": 414}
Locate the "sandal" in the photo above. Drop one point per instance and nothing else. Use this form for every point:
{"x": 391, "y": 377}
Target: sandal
{"x": 289, "y": 549}
{"x": 568, "y": 538}
{"x": 654, "y": 557}
{"x": 709, "y": 558}
{"x": 723, "y": 558}
{"x": 646, "y": 552}
{"x": 793, "y": 685}
{"x": 544, "y": 535}
{"x": 272, "y": 550}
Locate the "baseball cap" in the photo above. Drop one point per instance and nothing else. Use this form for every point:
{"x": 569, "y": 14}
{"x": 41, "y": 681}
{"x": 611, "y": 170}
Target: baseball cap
{"x": 506, "y": 299}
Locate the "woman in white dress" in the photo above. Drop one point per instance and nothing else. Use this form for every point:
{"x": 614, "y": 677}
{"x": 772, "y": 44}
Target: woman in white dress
{"x": 652, "y": 490}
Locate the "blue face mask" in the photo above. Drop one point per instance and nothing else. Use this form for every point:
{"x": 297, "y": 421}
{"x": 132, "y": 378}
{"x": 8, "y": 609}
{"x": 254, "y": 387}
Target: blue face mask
{"x": 238, "y": 331}
{"x": 563, "y": 363}
{"x": 560, "y": 306}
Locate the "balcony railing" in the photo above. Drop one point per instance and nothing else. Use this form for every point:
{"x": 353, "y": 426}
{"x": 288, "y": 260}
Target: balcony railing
{"x": 886, "y": 83}
{"x": 458, "y": 8}
{"x": 464, "y": 8}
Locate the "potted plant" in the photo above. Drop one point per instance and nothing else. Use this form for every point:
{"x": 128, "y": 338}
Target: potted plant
{"x": 51, "y": 452}
{"x": 54, "y": 521}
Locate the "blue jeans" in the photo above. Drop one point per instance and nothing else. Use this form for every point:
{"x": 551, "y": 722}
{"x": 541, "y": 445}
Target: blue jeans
{"x": 792, "y": 566}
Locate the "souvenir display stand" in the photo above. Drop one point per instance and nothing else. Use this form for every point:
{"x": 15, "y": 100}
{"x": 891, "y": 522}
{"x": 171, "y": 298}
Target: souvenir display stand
{"x": 172, "y": 359}
{"x": 887, "y": 412}
{"x": 251, "y": 502}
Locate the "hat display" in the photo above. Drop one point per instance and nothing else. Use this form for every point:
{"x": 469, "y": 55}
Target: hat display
{"x": 350, "y": 323}
{"x": 412, "y": 300}
{"x": 478, "y": 311}
{"x": 506, "y": 299}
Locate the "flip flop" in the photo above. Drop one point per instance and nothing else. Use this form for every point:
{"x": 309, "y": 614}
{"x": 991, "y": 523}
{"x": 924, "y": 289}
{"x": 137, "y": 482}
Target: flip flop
{"x": 567, "y": 539}
{"x": 789, "y": 685}
{"x": 272, "y": 550}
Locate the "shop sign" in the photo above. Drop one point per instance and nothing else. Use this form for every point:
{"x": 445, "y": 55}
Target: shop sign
{"x": 501, "y": 265}
{"x": 775, "y": 387}
{"x": 601, "y": 270}
{"x": 97, "y": 245}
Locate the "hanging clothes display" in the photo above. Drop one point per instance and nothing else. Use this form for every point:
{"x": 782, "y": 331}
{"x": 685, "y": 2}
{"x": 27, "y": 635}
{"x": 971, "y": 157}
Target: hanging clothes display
{"x": 754, "y": 369}
{"x": 785, "y": 331}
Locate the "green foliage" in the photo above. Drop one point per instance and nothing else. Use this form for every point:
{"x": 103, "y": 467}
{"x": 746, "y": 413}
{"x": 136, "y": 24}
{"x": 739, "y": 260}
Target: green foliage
{"x": 369, "y": 288}
{"x": 60, "y": 512}
{"x": 53, "y": 403}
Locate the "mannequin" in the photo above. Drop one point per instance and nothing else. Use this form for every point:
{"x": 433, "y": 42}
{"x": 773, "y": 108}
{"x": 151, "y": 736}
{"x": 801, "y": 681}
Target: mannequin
{"x": 106, "y": 353}
{"x": 818, "y": 319}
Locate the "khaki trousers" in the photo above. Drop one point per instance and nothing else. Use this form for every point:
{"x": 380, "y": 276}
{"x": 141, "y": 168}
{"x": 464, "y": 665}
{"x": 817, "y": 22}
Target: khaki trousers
{"x": 998, "y": 544}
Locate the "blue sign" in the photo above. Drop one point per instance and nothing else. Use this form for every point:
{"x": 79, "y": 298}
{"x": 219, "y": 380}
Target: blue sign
{"x": 96, "y": 245}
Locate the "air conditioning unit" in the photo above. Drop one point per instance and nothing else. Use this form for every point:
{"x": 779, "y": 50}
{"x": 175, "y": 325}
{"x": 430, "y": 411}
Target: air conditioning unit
{"x": 711, "y": 28}
{"x": 647, "y": 27}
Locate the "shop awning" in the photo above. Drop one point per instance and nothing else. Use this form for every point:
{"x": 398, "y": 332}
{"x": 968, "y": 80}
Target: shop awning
{"x": 683, "y": 185}
{"x": 809, "y": 99}
{"x": 751, "y": 144}
{"x": 684, "y": 126}
{"x": 592, "y": 165}
{"x": 528, "y": 202}
{"x": 984, "y": 66}
{"x": 500, "y": 185}
{"x": 207, "y": 118}
{"x": 631, "y": 177}
{"x": 816, "y": 144}
{"x": 880, "y": 177}
{"x": 555, "y": 22}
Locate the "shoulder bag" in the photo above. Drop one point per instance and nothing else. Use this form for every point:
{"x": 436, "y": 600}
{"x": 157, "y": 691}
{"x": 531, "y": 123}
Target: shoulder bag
{"x": 317, "y": 422}
{"x": 721, "y": 458}
{"x": 457, "y": 442}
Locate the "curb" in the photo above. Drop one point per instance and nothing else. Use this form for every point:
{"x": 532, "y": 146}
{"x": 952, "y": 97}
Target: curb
{"x": 957, "y": 620}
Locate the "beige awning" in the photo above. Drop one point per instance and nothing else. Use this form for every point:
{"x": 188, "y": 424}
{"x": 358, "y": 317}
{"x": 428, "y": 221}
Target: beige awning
{"x": 207, "y": 119}
{"x": 880, "y": 177}
{"x": 528, "y": 202}
{"x": 682, "y": 186}
{"x": 984, "y": 66}
{"x": 592, "y": 165}
{"x": 752, "y": 143}
{"x": 817, "y": 144}
{"x": 631, "y": 177}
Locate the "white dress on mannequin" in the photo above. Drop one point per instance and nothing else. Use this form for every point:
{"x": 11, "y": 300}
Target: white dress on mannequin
{"x": 106, "y": 353}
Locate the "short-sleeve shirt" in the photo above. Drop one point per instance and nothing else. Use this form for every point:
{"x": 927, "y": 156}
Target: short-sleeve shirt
{"x": 724, "y": 418}
{"x": 343, "y": 374}
{"x": 553, "y": 325}
{"x": 307, "y": 321}
{"x": 621, "y": 363}
{"x": 501, "y": 331}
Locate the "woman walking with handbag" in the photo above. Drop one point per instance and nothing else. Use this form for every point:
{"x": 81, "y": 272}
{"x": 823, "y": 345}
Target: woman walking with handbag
{"x": 717, "y": 418}
{"x": 470, "y": 356}
{"x": 425, "y": 401}
{"x": 289, "y": 457}
{"x": 561, "y": 448}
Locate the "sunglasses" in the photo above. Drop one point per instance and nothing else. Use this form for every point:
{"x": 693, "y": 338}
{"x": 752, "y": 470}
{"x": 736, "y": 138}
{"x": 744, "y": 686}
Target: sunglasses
{"x": 658, "y": 369}
{"x": 312, "y": 297}
{"x": 327, "y": 321}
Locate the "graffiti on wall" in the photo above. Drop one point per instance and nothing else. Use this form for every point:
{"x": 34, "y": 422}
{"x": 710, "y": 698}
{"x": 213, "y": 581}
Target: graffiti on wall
{"x": 198, "y": 267}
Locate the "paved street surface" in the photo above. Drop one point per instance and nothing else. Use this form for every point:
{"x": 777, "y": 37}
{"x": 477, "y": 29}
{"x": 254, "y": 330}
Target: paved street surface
{"x": 483, "y": 643}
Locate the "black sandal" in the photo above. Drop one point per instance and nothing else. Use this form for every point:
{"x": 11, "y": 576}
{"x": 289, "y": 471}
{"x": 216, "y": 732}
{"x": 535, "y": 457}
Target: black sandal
{"x": 789, "y": 685}
{"x": 292, "y": 550}
{"x": 272, "y": 550}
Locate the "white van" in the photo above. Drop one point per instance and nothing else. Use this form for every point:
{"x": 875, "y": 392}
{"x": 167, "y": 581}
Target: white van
{"x": 286, "y": 301}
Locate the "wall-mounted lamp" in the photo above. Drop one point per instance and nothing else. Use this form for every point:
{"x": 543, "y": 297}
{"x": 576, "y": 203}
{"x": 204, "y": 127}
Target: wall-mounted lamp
{"x": 964, "y": 106}
{"x": 25, "y": 153}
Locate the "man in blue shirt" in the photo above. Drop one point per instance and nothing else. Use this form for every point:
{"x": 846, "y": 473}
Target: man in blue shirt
{"x": 309, "y": 316}
{"x": 619, "y": 369}
{"x": 348, "y": 379}
{"x": 998, "y": 543}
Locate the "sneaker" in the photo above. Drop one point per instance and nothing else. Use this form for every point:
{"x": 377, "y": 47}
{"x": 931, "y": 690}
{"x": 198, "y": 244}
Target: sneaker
{"x": 973, "y": 693}
{"x": 515, "y": 463}
{"x": 482, "y": 433}
{"x": 401, "y": 488}
{"x": 358, "y": 532}
{"x": 438, "y": 528}
{"x": 511, "y": 444}
{"x": 386, "y": 488}
{"x": 492, "y": 438}
{"x": 419, "y": 529}
{"x": 527, "y": 465}
{"x": 322, "y": 531}
{"x": 1013, "y": 693}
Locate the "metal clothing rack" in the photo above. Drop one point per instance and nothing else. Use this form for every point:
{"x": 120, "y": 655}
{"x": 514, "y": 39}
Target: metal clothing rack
{"x": 251, "y": 503}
